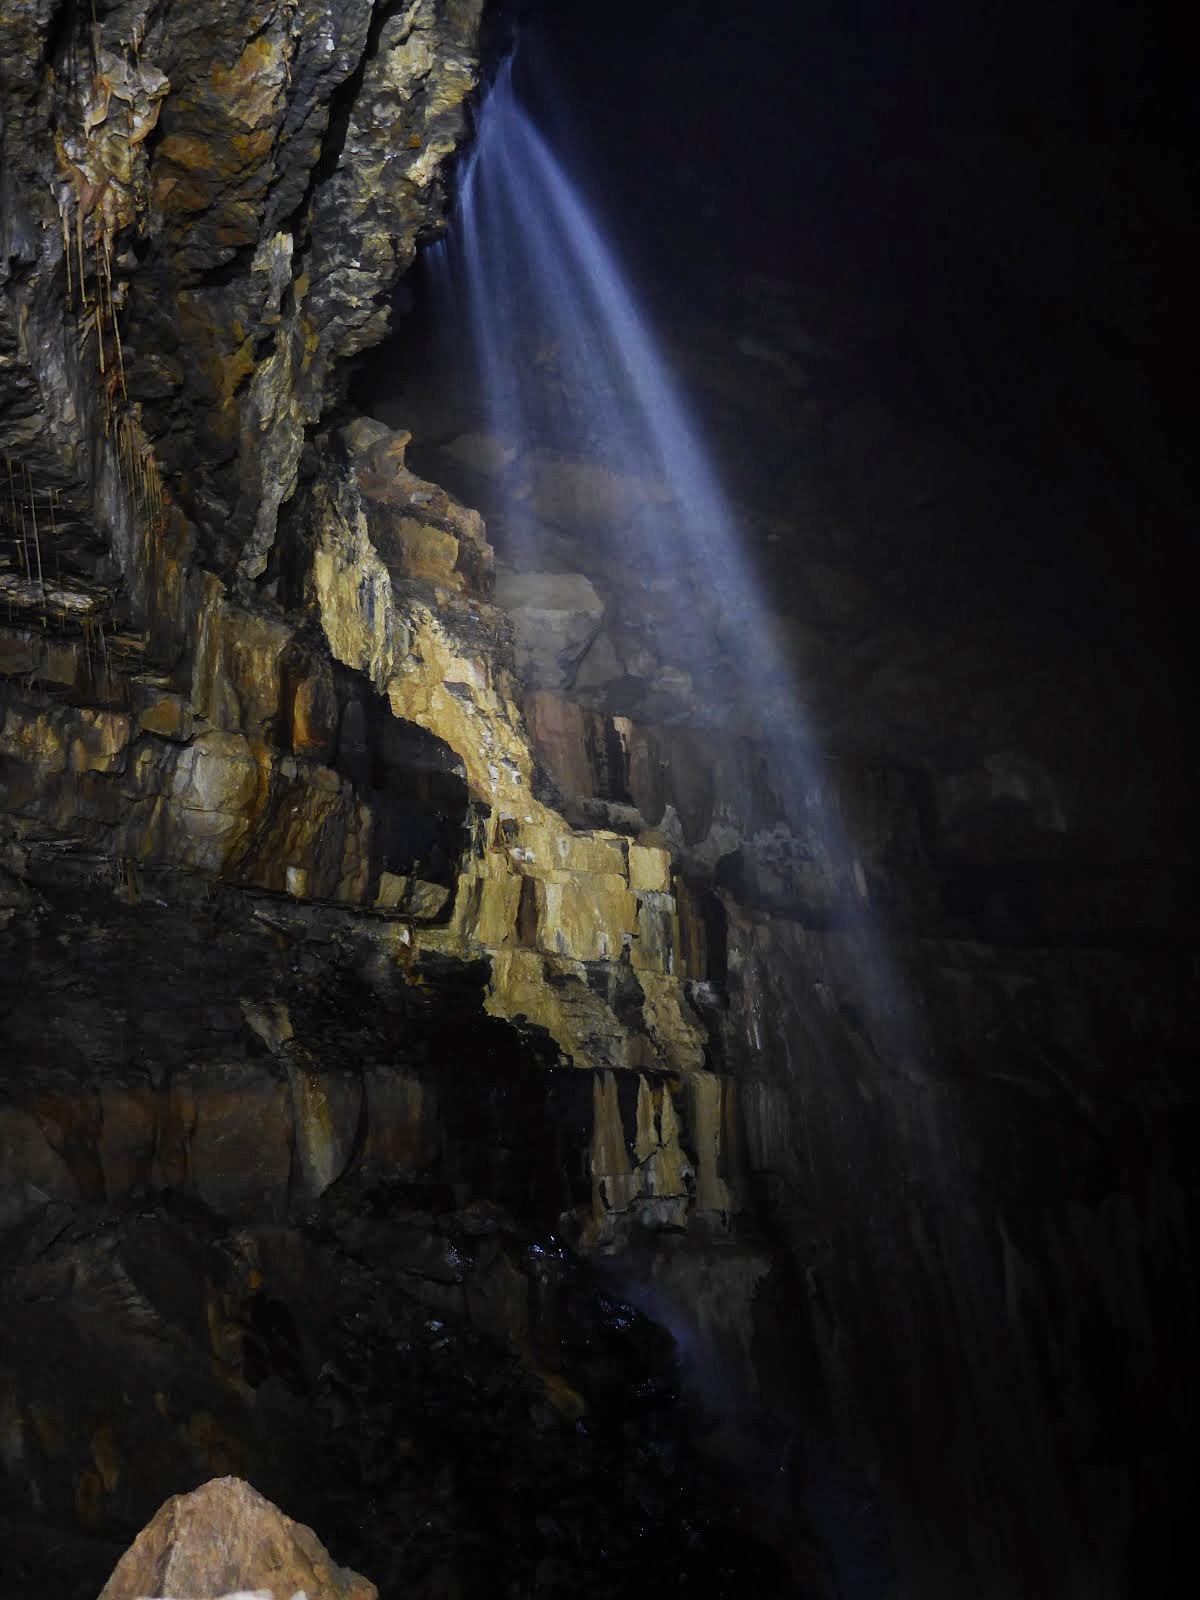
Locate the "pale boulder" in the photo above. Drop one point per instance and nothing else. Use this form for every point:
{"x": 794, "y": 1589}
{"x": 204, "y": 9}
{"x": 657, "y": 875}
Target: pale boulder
{"x": 225, "y": 1539}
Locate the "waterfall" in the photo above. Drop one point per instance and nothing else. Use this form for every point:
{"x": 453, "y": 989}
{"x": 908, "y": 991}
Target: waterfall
{"x": 563, "y": 355}
{"x": 564, "y": 360}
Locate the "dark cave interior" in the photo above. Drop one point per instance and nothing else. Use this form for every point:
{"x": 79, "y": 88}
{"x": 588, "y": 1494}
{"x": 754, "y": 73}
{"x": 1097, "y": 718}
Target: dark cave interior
{"x": 552, "y": 1103}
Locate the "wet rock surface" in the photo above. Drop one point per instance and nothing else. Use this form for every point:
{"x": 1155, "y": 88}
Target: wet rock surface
{"x": 435, "y": 1081}
{"x": 272, "y": 1208}
{"x": 449, "y": 1394}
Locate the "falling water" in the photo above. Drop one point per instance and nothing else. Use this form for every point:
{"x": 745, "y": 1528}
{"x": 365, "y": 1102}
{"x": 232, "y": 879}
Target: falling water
{"x": 526, "y": 237}
{"x": 526, "y": 270}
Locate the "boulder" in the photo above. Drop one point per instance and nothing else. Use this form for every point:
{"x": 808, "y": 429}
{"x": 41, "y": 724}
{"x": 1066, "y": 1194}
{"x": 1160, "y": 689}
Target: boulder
{"x": 224, "y": 1538}
{"x": 583, "y": 497}
{"x": 484, "y": 453}
{"x": 555, "y": 617}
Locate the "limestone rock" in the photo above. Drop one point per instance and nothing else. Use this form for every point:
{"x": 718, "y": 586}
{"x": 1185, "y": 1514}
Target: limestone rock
{"x": 225, "y": 1536}
{"x": 601, "y": 664}
{"x": 538, "y": 899}
{"x": 420, "y": 531}
{"x": 484, "y": 453}
{"x": 555, "y": 615}
{"x": 583, "y": 497}
{"x": 415, "y": 898}
{"x": 161, "y": 712}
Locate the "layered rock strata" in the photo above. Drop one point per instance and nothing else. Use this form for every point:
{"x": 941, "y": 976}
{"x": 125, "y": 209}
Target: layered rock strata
{"x": 307, "y": 748}
{"x": 168, "y": 715}
{"x": 363, "y": 932}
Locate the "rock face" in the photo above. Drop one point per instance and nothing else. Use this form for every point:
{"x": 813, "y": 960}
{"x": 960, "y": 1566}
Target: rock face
{"x": 420, "y": 989}
{"x": 221, "y": 1537}
{"x": 556, "y": 616}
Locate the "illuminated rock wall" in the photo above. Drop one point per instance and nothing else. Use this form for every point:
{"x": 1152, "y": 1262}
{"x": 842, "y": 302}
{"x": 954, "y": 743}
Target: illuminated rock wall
{"x": 360, "y": 956}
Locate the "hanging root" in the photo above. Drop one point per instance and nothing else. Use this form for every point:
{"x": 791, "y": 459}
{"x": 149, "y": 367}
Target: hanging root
{"x": 66, "y": 233}
{"x": 57, "y": 556}
{"x": 83, "y": 295}
{"x": 13, "y": 519}
{"x": 37, "y": 540}
{"x": 99, "y": 306}
{"x": 18, "y": 520}
{"x": 104, "y": 662}
{"x": 112, "y": 311}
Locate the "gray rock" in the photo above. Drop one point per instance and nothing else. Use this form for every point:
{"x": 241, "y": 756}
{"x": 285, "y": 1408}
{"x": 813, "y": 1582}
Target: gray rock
{"x": 555, "y": 617}
{"x": 484, "y": 453}
{"x": 584, "y": 497}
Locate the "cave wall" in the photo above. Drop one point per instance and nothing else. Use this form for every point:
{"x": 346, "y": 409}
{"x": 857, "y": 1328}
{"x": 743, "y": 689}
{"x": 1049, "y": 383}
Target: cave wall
{"x": 211, "y": 736}
{"x": 320, "y": 876}
{"x": 261, "y": 748}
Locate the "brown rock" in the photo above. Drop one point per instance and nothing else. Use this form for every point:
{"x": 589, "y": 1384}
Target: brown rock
{"x": 170, "y": 716}
{"x": 32, "y": 1170}
{"x": 558, "y": 729}
{"x": 226, "y": 1136}
{"x": 224, "y": 1537}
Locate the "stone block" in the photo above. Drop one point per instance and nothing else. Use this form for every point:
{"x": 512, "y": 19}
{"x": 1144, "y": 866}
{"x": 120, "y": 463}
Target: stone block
{"x": 558, "y": 732}
{"x": 654, "y": 947}
{"x": 484, "y": 453}
{"x": 19, "y": 653}
{"x": 614, "y": 1181}
{"x": 160, "y": 712}
{"x": 705, "y": 1117}
{"x": 421, "y": 550}
{"x": 585, "y": 920}
{"x": 555, "y": 617}
{"x": 582, "y": 497}
{"x": 212, "y": 797}
{"x": 237, "y": 672}
{"x": 649, "y": 868}
{"x": 489, "y": 901}
{"x": 99, "y": 740}
{"x": 413, "y": 897}
{"x": 62, "y": 663}
{"x": 314, "y": 714}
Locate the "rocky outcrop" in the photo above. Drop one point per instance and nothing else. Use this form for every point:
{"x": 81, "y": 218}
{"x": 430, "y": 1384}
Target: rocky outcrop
{"x": 164, "y": 243}
{"x": 260, "y": 716}
{"x": 446, "y": 1393}
{"x": 271, "y": 776}
{"x": 223, "y": 1536}
{"x": 241, "y": 753}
